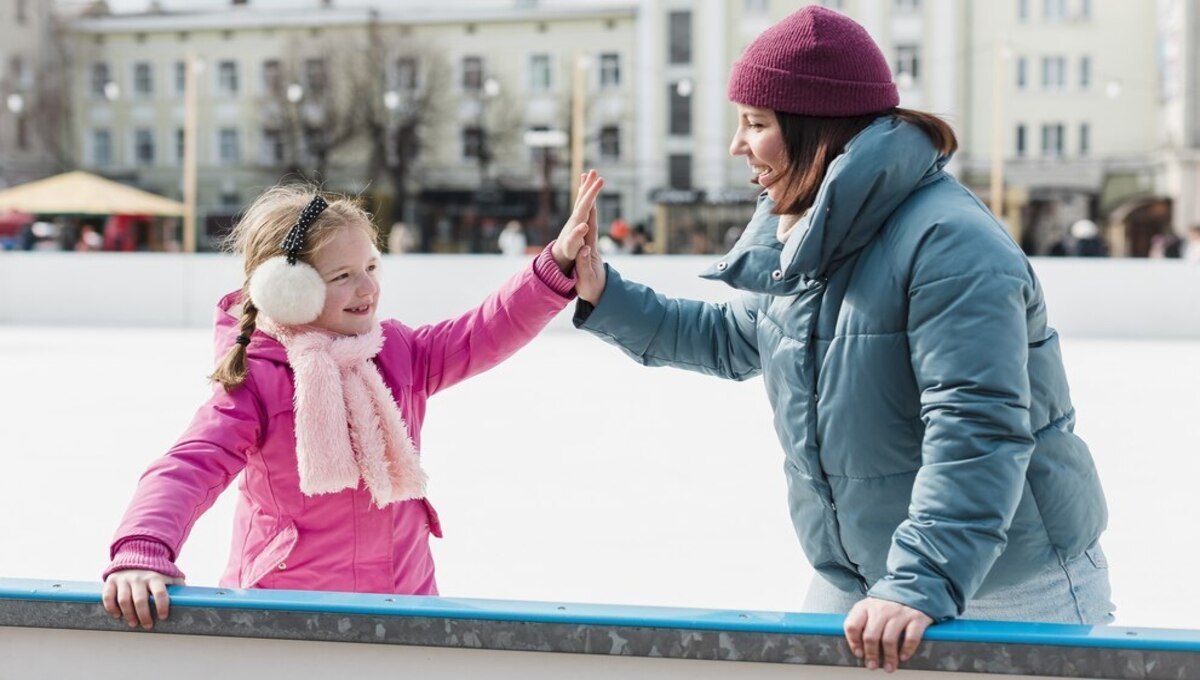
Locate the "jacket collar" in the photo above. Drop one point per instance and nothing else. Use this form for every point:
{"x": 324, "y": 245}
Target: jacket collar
{"x": 880, "y": 168}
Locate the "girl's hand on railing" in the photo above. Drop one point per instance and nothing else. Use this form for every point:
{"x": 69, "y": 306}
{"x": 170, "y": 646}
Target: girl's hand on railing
{"x": 127, "y": 595}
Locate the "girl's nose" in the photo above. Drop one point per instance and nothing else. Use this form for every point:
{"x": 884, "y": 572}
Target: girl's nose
{"x": 368, "y": 286}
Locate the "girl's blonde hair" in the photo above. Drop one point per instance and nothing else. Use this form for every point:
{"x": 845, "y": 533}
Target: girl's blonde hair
{"x": 258, "y": 236}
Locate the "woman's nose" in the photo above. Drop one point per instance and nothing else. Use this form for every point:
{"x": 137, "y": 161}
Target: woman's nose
{"x": 737, "y": 146}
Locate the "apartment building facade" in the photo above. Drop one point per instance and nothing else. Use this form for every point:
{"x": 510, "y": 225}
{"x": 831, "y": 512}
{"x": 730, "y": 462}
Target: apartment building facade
{"x": 32, "y": 106}
{"x": 324, "y": 92}
{"x": 1063, "y": 94}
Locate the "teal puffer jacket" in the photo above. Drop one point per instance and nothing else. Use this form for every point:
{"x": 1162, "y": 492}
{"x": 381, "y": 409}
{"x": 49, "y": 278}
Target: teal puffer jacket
{"x": 919, "y": 393}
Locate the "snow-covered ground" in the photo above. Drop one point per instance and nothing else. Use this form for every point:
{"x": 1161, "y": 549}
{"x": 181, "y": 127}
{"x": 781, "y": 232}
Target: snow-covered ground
{"x": 570, "y": 473}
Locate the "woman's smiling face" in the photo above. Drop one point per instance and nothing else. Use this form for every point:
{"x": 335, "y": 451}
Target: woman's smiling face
{"x": 348, "y": 264}
{"x": 760, "y": 140}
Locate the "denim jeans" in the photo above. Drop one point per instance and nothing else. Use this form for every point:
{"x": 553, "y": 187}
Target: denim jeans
{"x": 1069, "y": 591}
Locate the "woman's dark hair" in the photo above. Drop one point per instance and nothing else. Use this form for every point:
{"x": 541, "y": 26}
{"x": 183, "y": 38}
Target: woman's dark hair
{"x": 812, "y": 143}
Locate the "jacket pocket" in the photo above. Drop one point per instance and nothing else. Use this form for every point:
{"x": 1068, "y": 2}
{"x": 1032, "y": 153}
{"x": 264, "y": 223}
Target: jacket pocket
{"x": 435, "y": 525}
{"x": 273, "y": 556}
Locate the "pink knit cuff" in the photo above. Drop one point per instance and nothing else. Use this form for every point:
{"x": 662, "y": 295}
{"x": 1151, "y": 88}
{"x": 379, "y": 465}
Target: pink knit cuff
{"x": 143, "y": 553}
{"x": 547, "y": 270}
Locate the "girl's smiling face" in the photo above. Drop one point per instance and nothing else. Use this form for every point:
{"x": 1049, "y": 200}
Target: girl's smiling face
{"x": 348, "y": 264}
{"x": 760, "y": 140}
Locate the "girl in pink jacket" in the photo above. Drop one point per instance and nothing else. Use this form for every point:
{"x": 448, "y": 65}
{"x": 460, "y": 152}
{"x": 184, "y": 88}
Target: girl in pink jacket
{"x": 320, "y": 406}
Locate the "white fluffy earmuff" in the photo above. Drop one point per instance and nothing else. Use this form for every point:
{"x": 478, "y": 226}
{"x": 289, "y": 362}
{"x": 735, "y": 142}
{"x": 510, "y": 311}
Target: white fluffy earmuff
{"x": 290, "y": 294}
{"x": 287, "y": 290}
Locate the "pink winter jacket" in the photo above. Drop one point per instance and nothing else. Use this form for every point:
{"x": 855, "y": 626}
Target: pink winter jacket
{"x": 338, "y": 541}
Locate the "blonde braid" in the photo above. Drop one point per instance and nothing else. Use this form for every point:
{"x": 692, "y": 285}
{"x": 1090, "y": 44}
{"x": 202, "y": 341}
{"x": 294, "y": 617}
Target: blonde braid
{"x": 231, "y": 372}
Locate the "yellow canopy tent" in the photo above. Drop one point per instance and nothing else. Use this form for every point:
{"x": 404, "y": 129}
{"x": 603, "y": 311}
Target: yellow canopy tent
{"x": 82, "y": 193}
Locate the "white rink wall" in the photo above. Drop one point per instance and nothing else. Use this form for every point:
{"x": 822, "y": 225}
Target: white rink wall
{"x": 1088, "y": 298}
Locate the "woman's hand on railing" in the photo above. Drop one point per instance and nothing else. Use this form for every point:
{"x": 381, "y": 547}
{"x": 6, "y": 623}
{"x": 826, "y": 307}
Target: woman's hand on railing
{"x": 873, "y": 624}
{"x": 127, "y": 595}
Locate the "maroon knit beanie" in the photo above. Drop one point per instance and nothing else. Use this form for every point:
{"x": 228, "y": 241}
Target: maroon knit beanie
{"x": 815, "y": 62}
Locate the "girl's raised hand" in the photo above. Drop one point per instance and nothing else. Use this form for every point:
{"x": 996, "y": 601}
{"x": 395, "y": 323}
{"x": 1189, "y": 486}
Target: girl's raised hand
{"x": 127, "y": 595}
{"x": 580, "y": 225}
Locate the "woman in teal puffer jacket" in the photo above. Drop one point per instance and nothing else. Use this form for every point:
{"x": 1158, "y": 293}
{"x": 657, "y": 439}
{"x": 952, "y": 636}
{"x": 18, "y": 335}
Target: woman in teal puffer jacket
{"x": 919, "y": 393}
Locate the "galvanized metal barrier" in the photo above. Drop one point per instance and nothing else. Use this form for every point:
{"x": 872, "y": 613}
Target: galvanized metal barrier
{"x": 58, "y": 629}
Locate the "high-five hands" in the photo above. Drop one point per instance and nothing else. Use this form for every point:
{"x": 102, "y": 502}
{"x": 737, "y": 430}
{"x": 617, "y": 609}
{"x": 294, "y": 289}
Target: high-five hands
{"x": 582, "y": 222}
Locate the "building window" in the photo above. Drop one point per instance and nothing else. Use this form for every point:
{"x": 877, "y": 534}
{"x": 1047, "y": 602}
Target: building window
{"x": 180, "y": 141}
{"x": 100, "y": 79}
{"x": 1054, "y": 73}
{"x": 1021, "y": 145}
{"x": 1022, "y": 73}
{"x": 227, "y": 78}
{"x": 406, "y": 73}
{"x": 314, "y": 145}
{"x": 610, "y": 143}
{"x": 180, "y": 78}
{"x": 907, "y": 6}
{"x": 679, "y": 38}
{"x": 143, "y": 146}
{"x": 679, "y": 110}
{"x": 316, "y": 77}
{"x": 19, "y": 72}
{"x": 754, "y": 7}
{"x": 229, "y": 150}
{"x": 102, "y": 147}
{"x": 680, "y": 170}
{"x": 22, "y": 11}
{"x": 539, "y": 73}
{"x": 271, "y": 152}
{"x": 610, "y": 70}
{"x": 1085, "y": 139}
{"x": 1022, "y": 11}
{"x": 835, "y": 5}
{"x": 1085, "y": 73}
{"x": 272, "y": 78}
{"x": 1054, "y": 10}
{"x": 608, "y": 208}
{"x": 908, "y": 63}
{"x": 143, "y": 79}
{"x": 472, "y": 143}
{"x": 1052, "y": 139}
{"x": 1085, "y": 9}
{"x": 472, "y": 74}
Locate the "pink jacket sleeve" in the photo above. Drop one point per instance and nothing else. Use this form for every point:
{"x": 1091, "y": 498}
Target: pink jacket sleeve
{"x": 178, "y": 487}
{"x": 454, "y": 350}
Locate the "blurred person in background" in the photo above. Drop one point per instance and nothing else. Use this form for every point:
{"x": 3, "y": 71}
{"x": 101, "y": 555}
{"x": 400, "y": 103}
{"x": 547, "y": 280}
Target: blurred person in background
{"x": 512, "y": 241}
{"x": 402, "y": 239}
{"x": 1082, "y": 240}
{"x": 919, "y": 392}
{"x": 1191, "y": 250}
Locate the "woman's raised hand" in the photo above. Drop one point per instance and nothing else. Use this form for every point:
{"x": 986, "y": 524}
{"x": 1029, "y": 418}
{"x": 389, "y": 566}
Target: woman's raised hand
{"x": 580, "y": 224}
{"x": 127, "y": 595}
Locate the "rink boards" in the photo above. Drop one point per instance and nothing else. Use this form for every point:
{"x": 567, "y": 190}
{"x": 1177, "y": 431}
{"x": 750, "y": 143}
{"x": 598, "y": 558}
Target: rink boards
{"x": 58, "y": 629}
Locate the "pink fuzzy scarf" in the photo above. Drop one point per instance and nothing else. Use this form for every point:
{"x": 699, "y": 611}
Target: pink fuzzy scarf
{"x": 348, "y": 426}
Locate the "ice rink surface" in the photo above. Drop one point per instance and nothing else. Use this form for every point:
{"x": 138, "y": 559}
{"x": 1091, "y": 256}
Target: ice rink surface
{"x": 570, "y": 473}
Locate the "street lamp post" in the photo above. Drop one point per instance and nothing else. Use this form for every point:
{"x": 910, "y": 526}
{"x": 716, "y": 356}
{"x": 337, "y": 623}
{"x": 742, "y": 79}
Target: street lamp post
{"x": 190, "y": 72}
{"x": 999, "y": 94}
{"x": 546, "y": 141}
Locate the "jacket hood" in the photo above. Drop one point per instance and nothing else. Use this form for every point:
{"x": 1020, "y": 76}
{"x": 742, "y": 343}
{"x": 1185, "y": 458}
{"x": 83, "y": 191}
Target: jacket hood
{"x": 225, "y": 332}
{"x": 880, "y": 168}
